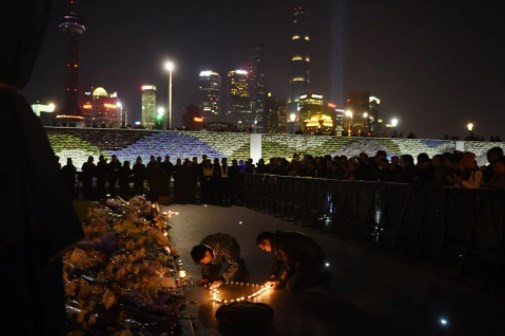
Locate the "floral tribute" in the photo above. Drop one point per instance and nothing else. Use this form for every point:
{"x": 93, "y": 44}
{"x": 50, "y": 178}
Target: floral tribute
{"x": 120, "y": 280}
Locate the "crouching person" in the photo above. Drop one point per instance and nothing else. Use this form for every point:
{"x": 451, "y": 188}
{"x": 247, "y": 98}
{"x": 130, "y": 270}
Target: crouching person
{"x": 212, "y": 253}
{"x": 300, "y": 258}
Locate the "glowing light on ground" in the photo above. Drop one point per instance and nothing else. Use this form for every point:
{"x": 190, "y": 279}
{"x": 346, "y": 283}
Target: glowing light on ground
{"x": 260, "y": 290}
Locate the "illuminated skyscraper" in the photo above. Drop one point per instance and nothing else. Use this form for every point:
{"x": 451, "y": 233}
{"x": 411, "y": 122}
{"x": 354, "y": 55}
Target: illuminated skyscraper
{"x": 149, "y": 105}
{"x": 73, "y": 27}
{"x": 239, "y": 104}
{"x": 210, "y": 91}
{"x": 275, "y": 114}
{"x": 300, "y": 58}
{"x": 256, "y": 65}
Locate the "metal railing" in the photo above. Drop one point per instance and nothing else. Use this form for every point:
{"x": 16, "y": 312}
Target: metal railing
{"x": 455, "y": 229}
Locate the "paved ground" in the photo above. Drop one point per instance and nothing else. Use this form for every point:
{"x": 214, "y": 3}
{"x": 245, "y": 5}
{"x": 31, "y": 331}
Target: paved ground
{"x": 371, "y": 293}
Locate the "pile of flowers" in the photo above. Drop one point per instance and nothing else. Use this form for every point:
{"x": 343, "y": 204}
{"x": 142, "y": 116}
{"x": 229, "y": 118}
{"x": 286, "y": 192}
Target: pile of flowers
{"x": 120, "y": 279}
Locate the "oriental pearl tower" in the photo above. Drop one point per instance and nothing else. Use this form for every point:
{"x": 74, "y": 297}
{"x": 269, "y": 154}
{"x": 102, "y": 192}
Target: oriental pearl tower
{"x": 72, "y": 26}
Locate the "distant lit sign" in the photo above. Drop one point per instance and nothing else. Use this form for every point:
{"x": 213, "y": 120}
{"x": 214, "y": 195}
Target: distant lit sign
{"x": 148, "y": 87}
{"x": 198, "y": 119}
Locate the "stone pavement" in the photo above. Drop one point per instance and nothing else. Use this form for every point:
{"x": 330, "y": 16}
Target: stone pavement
{"x": 371, "y": 293}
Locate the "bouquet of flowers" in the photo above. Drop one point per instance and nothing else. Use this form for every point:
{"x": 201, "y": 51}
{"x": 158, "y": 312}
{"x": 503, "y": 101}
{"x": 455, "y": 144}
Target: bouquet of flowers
{"x": 120, "y": 279}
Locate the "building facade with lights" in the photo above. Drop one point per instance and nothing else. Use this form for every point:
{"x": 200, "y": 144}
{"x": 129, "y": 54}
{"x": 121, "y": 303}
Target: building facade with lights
{"x": 361, "y": 115}
{"x": 276, "y": 114}
{"x": 239, "y": 103}
{"x": 72, "y": 25}
{"x": 44, "y": 112}
{"x": 356, "y": 117}
{"x": 101, "y": 109}
{"x": 149, "y": 112}
{"x": 300, "y": 57}
{"x": 210, "y": 94}
{"x": 192, "y": 119}
{"x": 315, "y": 116}
{"x": 256, "y": 66}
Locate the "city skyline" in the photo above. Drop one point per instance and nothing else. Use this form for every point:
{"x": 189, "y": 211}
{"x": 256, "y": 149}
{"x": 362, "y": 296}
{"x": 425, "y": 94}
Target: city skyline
{"x": 385, "y": 55}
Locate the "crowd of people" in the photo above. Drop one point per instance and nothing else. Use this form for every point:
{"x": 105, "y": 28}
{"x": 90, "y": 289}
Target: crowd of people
{"x": 456, "y": 169}
{"x": 219, "y": 184}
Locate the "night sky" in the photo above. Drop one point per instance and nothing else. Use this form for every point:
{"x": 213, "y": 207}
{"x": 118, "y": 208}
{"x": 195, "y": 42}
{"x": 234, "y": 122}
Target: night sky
{"x": 434, "y": 64}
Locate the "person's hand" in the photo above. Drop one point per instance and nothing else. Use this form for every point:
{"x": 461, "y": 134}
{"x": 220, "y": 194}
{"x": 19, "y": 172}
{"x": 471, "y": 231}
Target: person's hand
{"x": 273, "y": 284}
{"x": 216, "y": 284}
{"x": 203, "y": 282}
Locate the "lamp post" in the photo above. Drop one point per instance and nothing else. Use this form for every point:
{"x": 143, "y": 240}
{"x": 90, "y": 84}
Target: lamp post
{"x": 394, "y": 124}
{"x": 51, "y": 107}
{"x": 349, "y": 115}
{"x": 292, "y": 118}
{"x": 121, "y": 115}
{"x": 159, "y": 116}
{"x": 366, "y": 116}
{"x": 169, "y": 66}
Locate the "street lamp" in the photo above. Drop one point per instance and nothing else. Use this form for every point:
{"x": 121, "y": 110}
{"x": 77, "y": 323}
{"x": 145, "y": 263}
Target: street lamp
{"x": 51, "y": 107}
{"x": 368, "y": 122}
{"x": 394, "y": 122}
{"x": 349, "y": 115}
{"x": 469, "y": 126}
{"x": 121, "y": 115}
{"x": 159, "y": 116}
{"x": 292, "y": 118}
{"x": 169, "y": 66}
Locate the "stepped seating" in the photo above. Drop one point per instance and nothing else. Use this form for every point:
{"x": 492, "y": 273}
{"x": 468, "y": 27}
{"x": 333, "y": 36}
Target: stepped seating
{"x": 70, "y": 146}
{"x": 178, "y": 145}
{"x": 284, "y": 145}
{"x": 105, "y": 139}
{"x": 128, "y": 144}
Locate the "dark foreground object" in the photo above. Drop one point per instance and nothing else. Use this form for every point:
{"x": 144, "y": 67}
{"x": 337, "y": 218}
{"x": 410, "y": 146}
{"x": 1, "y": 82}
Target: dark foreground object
{"x": 245, "y": 318}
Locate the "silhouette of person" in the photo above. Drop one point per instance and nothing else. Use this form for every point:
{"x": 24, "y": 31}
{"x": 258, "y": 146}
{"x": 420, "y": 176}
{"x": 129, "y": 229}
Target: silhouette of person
{"x": 102, "y": 173}
{"x": 88, "y": 172}
{"x": 38, "y": 219}
{"x": 114, "y": 167}
{"x": 139, "y": 176}
{"x": 124, "y": 180}
{"x": 68, "y": 171}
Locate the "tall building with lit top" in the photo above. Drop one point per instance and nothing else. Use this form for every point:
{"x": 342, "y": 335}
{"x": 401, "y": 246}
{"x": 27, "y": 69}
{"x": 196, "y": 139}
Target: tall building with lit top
{"x": 300, "y": 57}
{"x": 210, "y": 94}
{"x": 256, "y": 67}
{"x": 73, "y": 27}
{"x": 149, "y": 106}
{"x": 239, "y": 103}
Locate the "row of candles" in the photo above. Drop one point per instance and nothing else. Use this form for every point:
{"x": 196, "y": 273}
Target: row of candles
{"x": 262, "y": 288}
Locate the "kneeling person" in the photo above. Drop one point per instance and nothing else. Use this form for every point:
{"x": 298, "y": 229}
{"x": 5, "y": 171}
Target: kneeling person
{"x": 214, "y": 251}
{"x": 300, "y": 257}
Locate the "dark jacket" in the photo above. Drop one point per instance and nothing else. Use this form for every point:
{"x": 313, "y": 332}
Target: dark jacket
{"x": 225, "y": 249}
{"x": 291, "y": 249}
